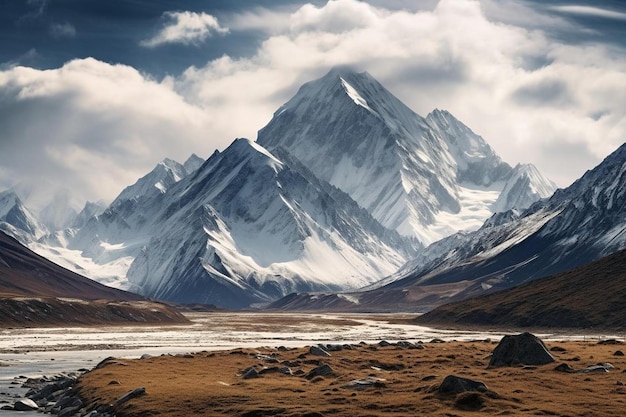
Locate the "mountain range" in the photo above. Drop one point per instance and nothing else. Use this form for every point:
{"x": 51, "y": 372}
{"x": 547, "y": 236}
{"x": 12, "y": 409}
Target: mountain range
{"x": 343, "y": 188}
{"x": 577, "y": 225}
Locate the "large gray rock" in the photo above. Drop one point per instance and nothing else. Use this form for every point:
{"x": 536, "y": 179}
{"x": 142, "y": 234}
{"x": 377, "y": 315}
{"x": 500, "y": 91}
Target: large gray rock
{"x": 521, "y": 349}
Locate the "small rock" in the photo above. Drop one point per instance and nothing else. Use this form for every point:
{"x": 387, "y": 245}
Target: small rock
{"x": 146, "y": 356}
{"x": 250, "y": 373}
{"x": 25, "y": 404}
{"x": 564, "y": 367}
{"x": 618, "y": 353}
{"x": 455, "y": 384}
{"x": 557, "y": 349}
{"x": 362, "y": 384}
{"x": 322, "y": 370}
{"x": 620, "y": 383}
{"x": 384, "y": 343}
{"x": 437, "y": 340}
{"x": 130, "y": 395}
{"x": 318, "y": 351}
{"x": 593, "y": 369}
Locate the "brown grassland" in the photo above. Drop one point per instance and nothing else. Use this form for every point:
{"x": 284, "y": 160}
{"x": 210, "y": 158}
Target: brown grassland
{"x": 211, "y": 383}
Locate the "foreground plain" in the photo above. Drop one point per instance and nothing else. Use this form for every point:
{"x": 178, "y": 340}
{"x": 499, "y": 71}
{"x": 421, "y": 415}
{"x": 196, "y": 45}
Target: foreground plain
{"x": 212, "y": 383}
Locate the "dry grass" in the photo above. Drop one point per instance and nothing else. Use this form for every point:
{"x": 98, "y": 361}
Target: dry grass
{"x": 210, "y": 383}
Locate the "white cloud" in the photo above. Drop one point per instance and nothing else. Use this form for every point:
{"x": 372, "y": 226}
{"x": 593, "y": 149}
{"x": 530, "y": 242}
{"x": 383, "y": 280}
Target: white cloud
{"x": 187, "y": 28}
{"x": 510, "y": 82}
{"x": 95, "y": 127}
{"x": 532, "y": 98}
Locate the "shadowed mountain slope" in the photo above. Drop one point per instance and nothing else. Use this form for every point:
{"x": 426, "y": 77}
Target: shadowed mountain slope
{"x": 593, "y": 295}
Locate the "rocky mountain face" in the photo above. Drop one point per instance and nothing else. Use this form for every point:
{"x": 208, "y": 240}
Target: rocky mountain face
{"x": 418, "y": 176}
{"x": 577, "y": 225}
{"x": 249, "y": 227}
{"x": 343, "y": 187}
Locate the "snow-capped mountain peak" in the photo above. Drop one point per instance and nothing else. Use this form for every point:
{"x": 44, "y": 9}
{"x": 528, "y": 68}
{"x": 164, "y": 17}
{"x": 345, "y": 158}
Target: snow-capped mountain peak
{"x": 411, "y": 173}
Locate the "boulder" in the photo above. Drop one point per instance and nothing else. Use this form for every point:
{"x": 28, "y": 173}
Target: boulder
{"x": 521, "y": 349}
{"x": 453, "y": 384}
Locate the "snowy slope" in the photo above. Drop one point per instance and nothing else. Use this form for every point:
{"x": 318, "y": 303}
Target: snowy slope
{"x": 253, "y": 228}
{"x": 575, "y": 226}
{"x": 415, "y": 175}
{"x": 523, "y": 187}
{"x": 166, "y": 173}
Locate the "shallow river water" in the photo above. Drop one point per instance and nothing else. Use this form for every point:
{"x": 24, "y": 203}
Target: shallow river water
{"x": 49, "y": 351}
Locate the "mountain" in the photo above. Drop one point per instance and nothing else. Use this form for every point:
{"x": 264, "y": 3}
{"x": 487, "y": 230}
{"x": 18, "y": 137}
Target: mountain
{"x": 343, "y": 186}
{"x": 577, "y": 225}
{"x": 24, "y": 273}
{"x": 17, "y": 220}
{"x": 591, "y": 296}
{"x": 163, "y": 176}
{"x": 54, "y": 206}
{"x": 524, "y": 186}
{"x": 423, "y": 177}
{"x": 249, "y": 227}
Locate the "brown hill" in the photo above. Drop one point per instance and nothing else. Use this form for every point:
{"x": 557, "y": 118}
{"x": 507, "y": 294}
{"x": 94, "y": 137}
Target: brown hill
{"x": 24, "y": 273}
{"x": 591, "y": 296}
{"x": 35, "y": 291}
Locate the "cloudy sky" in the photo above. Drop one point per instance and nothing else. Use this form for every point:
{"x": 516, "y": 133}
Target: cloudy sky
{"x": 94, "y": 94}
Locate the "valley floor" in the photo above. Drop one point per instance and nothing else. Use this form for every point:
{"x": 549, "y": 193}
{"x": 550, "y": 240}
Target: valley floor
{"x": 210, "y": 382}
{"x": 402, "y": 382}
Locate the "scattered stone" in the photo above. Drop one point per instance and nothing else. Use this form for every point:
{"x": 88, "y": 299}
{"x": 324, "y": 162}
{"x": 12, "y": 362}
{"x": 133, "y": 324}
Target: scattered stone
{"x": 25, "y": 404}
{"x": 130, "y": 395}
{"x": 455, "y": 384}
{"x": 620, "y": 383}
{"x": 322, "y": 370}
{"x": 114, "y": 382}
{"x": 362, "y": 384}
{"x": 437, "y": 340}
{"x": 146, "y": 356}
{"x": 318, "y": 351}
{"x": 618, "y": 353}
{"x": 598, "y": 368}
{"x": 384, "y": 343}
{"x": 276, "y": 370}
{"x": 332, "y": 348}
{"x": 429, "y": 377}
{"x": 250, "y": 373}
{"x": 564, "y": 367}
{"x": 266, "y": 358}
{"x": 522, "y": 349}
